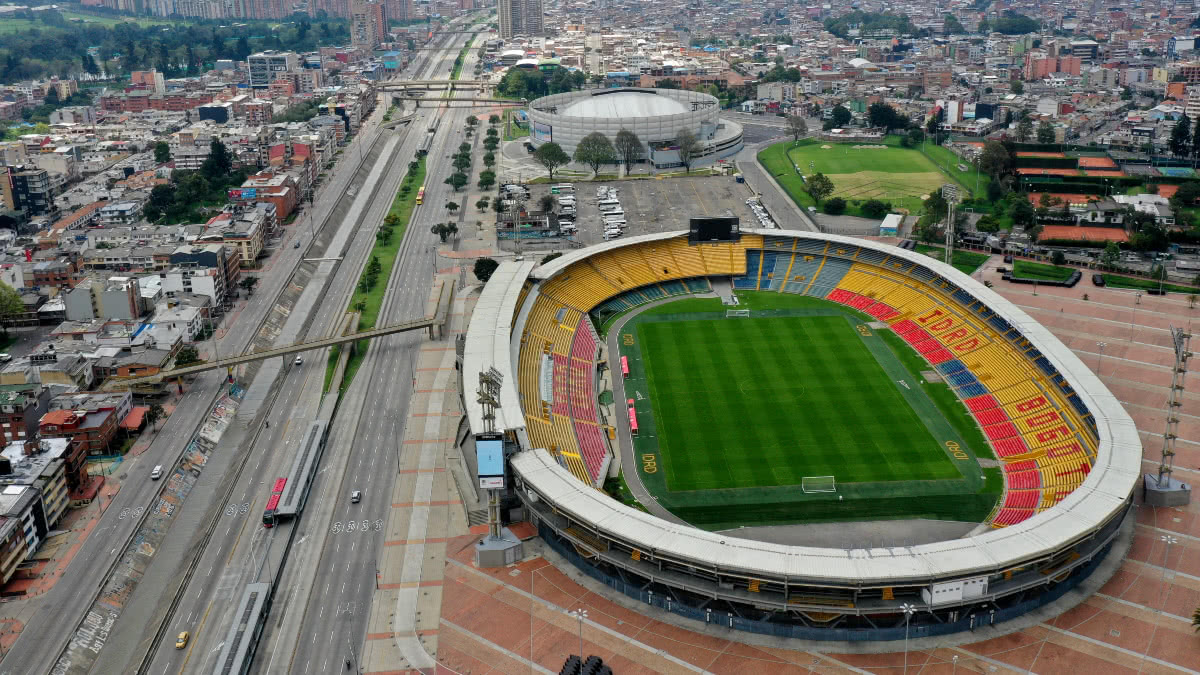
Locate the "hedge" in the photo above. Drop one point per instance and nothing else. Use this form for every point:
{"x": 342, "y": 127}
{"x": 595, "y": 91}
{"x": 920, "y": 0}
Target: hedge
{"x": 1048, "y": 162}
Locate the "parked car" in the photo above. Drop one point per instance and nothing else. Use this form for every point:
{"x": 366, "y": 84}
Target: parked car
{"x": 1098, "y": 279}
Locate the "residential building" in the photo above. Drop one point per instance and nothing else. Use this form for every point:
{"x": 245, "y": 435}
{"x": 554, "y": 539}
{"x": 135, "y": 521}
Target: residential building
{"x": 40, "y": 465}
{"x": 368, "y": 24}
{"x": 93, "y": 430}
{"x": 120, "y": 213}
{"x": 28, "y": 189}
{"x": 520, "y": 18}
{"x": 265, "y": 67}
{"x": 21, "y": 407}
{"x": 96, "y": 298}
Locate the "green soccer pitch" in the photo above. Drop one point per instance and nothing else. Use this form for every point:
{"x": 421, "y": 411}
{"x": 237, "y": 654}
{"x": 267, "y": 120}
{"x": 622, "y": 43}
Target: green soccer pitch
{"x": 735, "y": 412}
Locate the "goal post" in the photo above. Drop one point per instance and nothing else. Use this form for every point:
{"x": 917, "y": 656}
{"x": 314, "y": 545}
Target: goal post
{"x": 811, "y": 484}
{"x": 742, "y": 313}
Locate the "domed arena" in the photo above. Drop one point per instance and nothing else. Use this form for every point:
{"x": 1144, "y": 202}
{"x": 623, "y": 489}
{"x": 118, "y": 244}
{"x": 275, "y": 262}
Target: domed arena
{"x": 848, "y": 380}
{"x": 655, "y": 115}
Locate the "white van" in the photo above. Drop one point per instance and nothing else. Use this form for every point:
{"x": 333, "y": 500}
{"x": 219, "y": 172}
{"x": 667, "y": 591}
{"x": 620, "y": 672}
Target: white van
{"x": 156, "y": 473}
{"x": 563, "y": 188}
{"x": 619, "y": 224}
{"x": 611, "y": 235}
{"x": 612, "y": 215}
{"x": 566, "y": 199}
{"x": 609, "y": 206}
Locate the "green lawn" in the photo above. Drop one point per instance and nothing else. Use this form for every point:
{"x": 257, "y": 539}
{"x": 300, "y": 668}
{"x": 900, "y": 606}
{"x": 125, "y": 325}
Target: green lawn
{"x": 1115, "y": 281}
{"x": 760, "y": 416}
{"x": 372, "y": 300}
{"x": 896, "y": 174}
{"x": 731, "y": 422}
{"x": 1030, "y": 270}
{"x": 964, "y": 261}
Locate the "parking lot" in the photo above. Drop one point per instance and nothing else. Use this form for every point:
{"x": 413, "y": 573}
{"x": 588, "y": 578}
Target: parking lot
{"x": 657, "y": 205}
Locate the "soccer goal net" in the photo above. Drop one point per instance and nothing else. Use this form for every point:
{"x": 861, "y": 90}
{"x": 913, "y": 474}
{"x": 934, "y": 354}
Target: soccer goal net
{"x": 744, "y": 313}
{"x": 810, "y": 484}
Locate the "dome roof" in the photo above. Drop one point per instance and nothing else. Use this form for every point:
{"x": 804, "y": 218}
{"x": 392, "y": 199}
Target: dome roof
{"x": 624, "y": 104}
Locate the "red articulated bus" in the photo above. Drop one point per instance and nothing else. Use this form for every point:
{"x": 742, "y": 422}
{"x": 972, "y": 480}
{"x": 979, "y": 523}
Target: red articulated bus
{"x": 273, "y": 502}
{"x": 625, "y": 366}
{"x": 633, "y": 429}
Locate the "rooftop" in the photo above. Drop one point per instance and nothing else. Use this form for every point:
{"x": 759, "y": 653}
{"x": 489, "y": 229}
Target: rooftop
{"x": 624, "y": 104}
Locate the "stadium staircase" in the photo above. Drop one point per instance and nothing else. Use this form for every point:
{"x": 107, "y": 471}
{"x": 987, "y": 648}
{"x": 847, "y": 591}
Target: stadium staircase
{"x": 1038, "y": 427}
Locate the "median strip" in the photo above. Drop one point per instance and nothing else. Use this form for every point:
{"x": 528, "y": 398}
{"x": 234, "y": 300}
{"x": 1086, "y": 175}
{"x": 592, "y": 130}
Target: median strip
{"x": 372, "y": 284}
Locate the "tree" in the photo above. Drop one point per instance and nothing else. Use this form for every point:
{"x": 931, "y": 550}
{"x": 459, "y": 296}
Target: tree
{"x": 186, "y": 355}
{"x": 1017, "y": 87}
{"x": 841, "y": 116}
{"x": 797, "y": 126}
{"x": 835, "y": 206}
{"x": 219, "y": 163}
{"x": 154, "y": 414}
{"x": 489, "y": 159}
{"x": 1058, "y": 258}
{"x": 1181, "y": 137}
{"x": 551, "y": 256}
{"x": 547, "y": 203}
{"x": 689, "y": 148}
{"x": 874, "y": 208}
{"x": 494, "y": 119}
{"x": 667, "y": 83}
{"x": 936, "y": 206}
{"x": 10, "y": 305}
{"x": 1024, "y": 129}
{"x": 987, "y": 224}
{"x": 1196, "y": 614}
{"x": 1111, "y": 254}
{"x": 472, "y": 120}
{"x": 994, "y": 159}
{"x": 482, "y": 204}
{"x": 1021, "y": 211}
{"x": 595, "y": 150}
{"x": 1045, "y": 132}
{"x": 248, "y": 283}
{"x": 462, "y": 162}
{"x": 456, "y": 180}
{"x": 444, "y": 230}
{"x": 451, "y": 206}
{"x": 915, "y": 136}
{"x": 162, "y": 152}
{"x": 1158, "y": 272}
{"x": 818, "y": 186}
{"x": 951, "y": 25}
{"x": 551, "y": 156}
{"x": 487, "y": 178}
{"x": 484, "y": 268}
{"x": 884, "y": 115}
{"x": 629, "y": 148}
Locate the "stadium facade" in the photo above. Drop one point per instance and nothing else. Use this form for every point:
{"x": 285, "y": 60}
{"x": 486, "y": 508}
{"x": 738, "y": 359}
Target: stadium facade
{"x": 1070, "y": 454}
{"x": 655, "y": 115}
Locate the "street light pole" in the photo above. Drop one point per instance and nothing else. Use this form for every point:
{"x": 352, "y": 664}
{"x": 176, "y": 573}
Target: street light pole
{"x": 908, "y": 610}
{"x": 580, "y": 614}
{"x": 1100, "y": 361}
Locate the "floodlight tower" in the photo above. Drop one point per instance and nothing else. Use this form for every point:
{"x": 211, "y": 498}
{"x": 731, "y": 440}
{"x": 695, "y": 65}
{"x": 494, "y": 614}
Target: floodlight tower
{"x": 950, "y": 194}
{"x": 1163, "y": 489}
{"x": 488, "y": 396}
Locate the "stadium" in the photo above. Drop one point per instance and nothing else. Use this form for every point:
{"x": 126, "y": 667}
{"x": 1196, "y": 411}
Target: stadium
{"x": 1060, "y": 452}
{"x": 655, "y": 115}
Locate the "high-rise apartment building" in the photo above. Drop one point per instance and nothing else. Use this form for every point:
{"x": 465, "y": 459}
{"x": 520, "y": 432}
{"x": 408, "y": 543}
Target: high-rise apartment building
{"x": 368, "y": 24}
{"x": 520, "y": 17}
{"x": 398, "y": 10}
{"x": 265, "y": 67}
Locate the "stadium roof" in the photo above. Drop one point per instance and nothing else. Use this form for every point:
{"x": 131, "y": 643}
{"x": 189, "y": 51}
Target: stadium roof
{"x": 1115, "y": 471}
{"x": 488, "y": 344}
{"x": 624, "y": 104}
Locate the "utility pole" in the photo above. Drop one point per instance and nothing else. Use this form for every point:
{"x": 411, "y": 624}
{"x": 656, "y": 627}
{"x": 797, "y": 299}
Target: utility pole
{"x": 950, "y": 193}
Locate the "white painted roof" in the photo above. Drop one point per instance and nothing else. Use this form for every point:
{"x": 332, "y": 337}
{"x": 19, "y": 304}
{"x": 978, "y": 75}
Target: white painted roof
{"x": 488, "y": 347}
{"x": 624, "y": 104}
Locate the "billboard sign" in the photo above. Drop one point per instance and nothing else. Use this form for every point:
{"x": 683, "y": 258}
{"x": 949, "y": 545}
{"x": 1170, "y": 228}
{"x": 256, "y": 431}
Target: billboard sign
{"x": 543, "y": 133}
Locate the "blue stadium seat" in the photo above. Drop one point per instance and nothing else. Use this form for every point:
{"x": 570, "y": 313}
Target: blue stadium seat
{"x": 951, "y": 366}
{"x": 962, "y": 379}
{"x": 972, "y": 390}
{"x": 963, "y": 297}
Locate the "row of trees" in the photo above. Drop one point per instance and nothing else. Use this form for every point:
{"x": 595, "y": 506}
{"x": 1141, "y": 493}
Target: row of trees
{"x": 596, "y": 150}
{"x": 1185, "y": 138}
{"x": 59, "y": 47}
{"x": 184, "y": 198}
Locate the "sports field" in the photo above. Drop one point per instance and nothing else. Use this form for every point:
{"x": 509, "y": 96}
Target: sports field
{"x": 735, "y": 412}
{"x": 862, "y": 171}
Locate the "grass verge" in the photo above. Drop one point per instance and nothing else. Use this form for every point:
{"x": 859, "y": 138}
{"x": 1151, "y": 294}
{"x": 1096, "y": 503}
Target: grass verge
{"x": 1024, "y": 269}
{"x": 1114, "y": 281}
{"x": 370, "y": 301}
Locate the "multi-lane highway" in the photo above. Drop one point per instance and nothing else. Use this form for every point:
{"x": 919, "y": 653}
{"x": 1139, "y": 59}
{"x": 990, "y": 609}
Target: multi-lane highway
{"x": 51, "y": 625}
{"x": 338, "y": 604}
{"x": 237, "y": 553}
{"x": 48, "y": 630}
